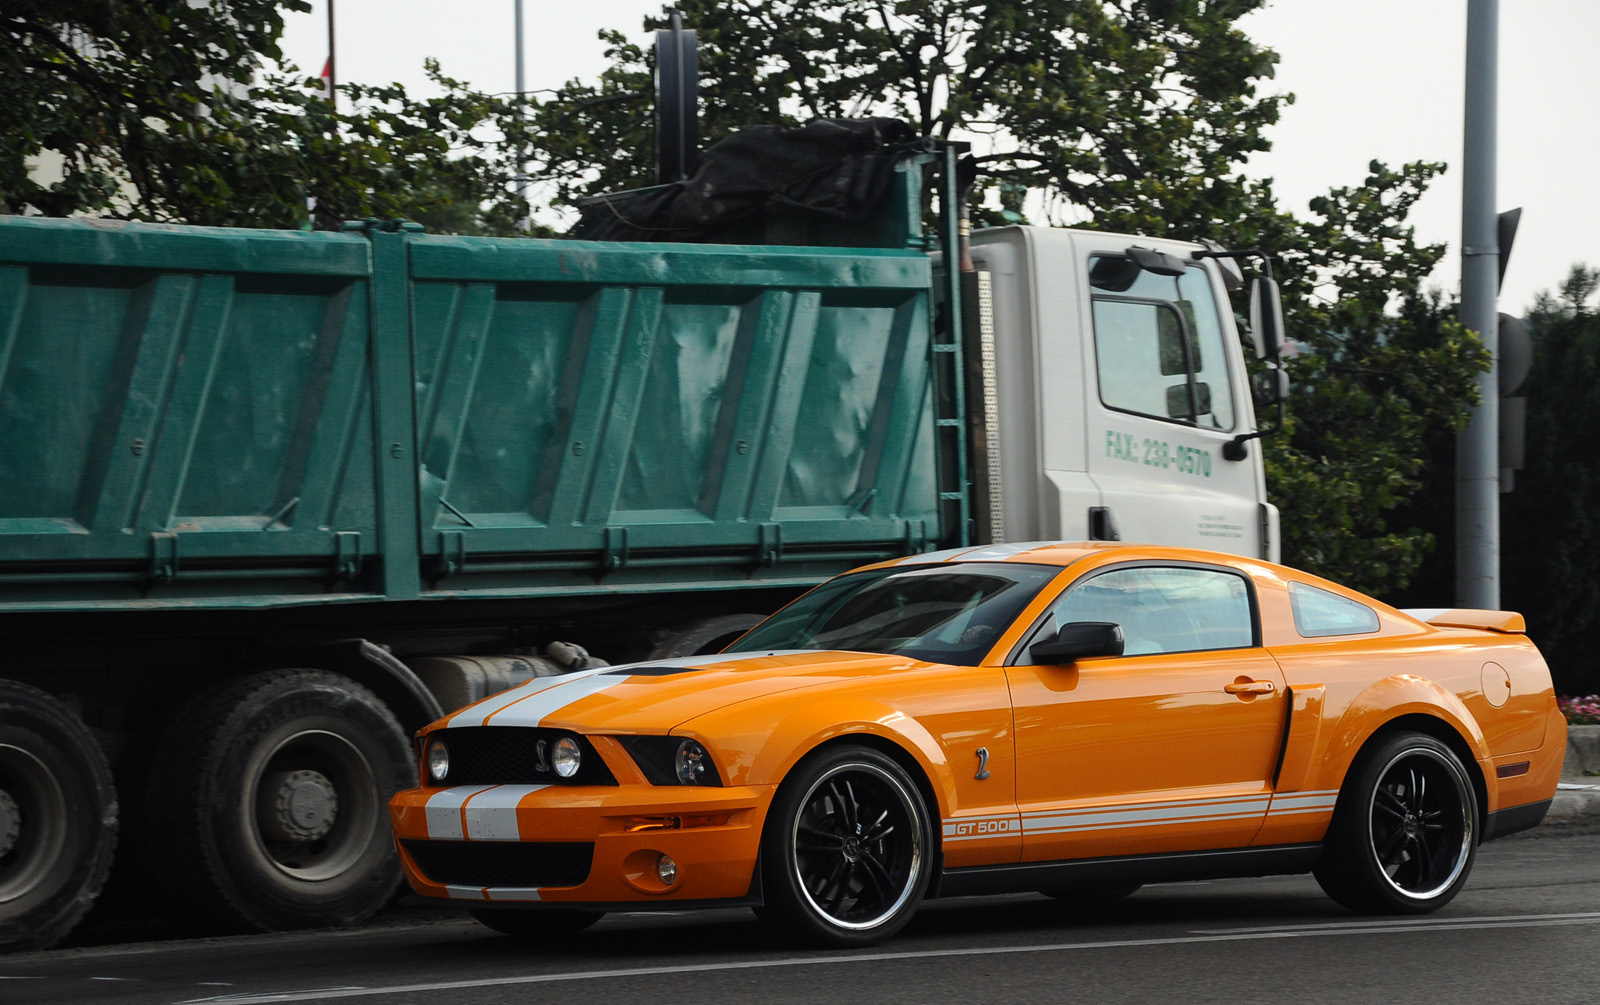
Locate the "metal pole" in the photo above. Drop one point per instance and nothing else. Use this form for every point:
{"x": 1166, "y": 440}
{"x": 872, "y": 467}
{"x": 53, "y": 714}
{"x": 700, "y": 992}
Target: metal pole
{"x": 1478, "y": 446}
{"x": 522, "y": 172}
{"x": 333, "y": 94}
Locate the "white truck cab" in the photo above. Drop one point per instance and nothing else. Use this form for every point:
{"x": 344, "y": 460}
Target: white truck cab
{"x": 1112, "y": 394}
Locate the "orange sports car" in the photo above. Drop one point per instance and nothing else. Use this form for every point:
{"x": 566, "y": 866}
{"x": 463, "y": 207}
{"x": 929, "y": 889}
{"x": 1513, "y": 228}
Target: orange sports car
{"x": 1075, "y": 719}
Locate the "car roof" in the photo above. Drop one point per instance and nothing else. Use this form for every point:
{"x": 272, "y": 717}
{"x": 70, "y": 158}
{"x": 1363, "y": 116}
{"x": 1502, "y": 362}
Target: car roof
{"x": 1060, "y": 553}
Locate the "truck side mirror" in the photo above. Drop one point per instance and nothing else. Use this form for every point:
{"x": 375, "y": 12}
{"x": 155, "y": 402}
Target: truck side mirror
{"x": 1266, "y": 318}
{"x": 1270, "y": 386}
{"x": 1157, "y": 262}
{"x": 1078, "y": 640}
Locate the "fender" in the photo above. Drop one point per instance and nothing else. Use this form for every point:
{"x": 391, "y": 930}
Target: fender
{"x": 1377, "y": 706}
{"x": 799, "y": 730}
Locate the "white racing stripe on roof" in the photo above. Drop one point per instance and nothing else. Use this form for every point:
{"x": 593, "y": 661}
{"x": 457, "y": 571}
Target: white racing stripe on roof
{"x": 491, "y": 815}
{"x": 978, "y": 553}
{"x": 443, "y": 811}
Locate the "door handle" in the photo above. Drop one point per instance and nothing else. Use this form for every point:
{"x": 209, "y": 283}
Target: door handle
{"x": 1249, "y": 687}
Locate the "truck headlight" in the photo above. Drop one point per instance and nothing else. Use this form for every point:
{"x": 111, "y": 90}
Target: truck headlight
{"x": 438, "y": 761}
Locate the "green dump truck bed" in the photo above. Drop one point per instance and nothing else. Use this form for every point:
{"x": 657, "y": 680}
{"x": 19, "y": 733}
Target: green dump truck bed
{"x": 203, "y": 417}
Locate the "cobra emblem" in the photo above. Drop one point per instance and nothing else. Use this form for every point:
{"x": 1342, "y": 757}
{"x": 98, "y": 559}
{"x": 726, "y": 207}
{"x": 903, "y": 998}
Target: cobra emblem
{"x": 983, "y": 764}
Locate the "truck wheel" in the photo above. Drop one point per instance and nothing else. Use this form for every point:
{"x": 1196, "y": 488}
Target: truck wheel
{"x": 847, "y": 850}
{"x": 1405, "y": 829}
{"x": 269, "y": 803}
{"x": 707, "y": 635}
{"x": 58, "y": 818}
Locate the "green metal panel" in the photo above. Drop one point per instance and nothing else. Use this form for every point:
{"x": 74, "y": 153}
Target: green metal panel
{"x": 181, "y": 399}
{"x": 622, "y": 403}
{"x": 212, "y": 418}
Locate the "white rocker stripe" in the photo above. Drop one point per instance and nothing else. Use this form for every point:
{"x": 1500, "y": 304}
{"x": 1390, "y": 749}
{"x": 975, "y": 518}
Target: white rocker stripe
{"x": 443, "y": 812}
{"x": 1115, "y": 821}
{"x": 491, "y": 815}
{"x": 465, "y": 893}
{"x": 980, "y": 828}
{"x": 1321, "y": 801}
{"x": 1096, "y": 817}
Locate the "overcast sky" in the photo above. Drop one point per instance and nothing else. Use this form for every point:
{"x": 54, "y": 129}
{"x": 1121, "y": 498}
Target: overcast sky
{"x": 1372, "y": 79}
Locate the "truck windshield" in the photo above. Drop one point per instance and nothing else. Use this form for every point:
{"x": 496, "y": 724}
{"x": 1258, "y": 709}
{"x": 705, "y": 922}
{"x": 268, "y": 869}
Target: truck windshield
{"x": 939, "y": 613}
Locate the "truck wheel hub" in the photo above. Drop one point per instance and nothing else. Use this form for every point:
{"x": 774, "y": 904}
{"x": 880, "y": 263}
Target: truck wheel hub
{"x": 298, "y": 806}
{"x": 10, "y": 823}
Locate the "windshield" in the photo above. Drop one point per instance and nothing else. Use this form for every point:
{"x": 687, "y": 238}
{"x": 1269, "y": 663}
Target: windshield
{"x": 939, "y": 613}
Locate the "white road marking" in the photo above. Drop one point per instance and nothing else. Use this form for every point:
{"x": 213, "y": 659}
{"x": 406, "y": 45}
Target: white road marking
{"x": 1240, "y": 935}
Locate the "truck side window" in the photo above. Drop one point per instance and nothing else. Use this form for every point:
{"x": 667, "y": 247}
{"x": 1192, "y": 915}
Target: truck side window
{"x": 1158, "y": 344}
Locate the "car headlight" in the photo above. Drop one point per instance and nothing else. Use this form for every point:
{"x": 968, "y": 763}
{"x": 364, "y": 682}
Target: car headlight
{"x": 566, "y": 757}
{"x": 438, "y": 761}
{"x": 691, "y": 762}
{"x": 672, "y": 760}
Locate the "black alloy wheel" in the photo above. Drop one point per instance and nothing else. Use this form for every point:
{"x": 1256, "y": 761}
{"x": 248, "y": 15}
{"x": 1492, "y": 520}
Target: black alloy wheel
{"x": 848, "y": 849}
{"x": 1405, "y": 831}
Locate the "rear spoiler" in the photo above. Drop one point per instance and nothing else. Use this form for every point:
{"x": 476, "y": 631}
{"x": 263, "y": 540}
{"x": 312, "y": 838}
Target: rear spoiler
{"x": 1505, "y": 622}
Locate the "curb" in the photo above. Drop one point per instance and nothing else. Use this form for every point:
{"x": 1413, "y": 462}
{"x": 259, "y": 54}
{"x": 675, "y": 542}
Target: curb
{"x": 1577, "y": 796}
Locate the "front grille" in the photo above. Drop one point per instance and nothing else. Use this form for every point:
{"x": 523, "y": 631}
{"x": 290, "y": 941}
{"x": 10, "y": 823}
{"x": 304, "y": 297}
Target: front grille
{"x": 512, "y": 755}
{"x": 503, "y": 863}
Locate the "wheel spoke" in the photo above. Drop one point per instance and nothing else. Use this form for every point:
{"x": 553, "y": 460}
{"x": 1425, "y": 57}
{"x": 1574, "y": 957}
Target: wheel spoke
{"x": 1391, "y": 845}
{"x": 848, "y": 869}
{"x": 878, "y": 873}
{"x": 1390, "y": 803}
{"x": 816, "y": 833}
{"x": 1424, "y": 861}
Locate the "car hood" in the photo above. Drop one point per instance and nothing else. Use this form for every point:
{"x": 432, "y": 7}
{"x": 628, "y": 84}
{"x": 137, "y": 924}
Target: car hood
{"x": 657, "y": 695}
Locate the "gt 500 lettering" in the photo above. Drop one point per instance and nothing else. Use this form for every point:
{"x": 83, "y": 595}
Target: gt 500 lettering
{"x": 976, "y": 827}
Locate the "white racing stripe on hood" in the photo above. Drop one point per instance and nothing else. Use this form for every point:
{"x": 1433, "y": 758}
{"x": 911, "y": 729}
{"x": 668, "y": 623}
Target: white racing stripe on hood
{"x": 476, "y": 715}
{"x": 491, "y": 815}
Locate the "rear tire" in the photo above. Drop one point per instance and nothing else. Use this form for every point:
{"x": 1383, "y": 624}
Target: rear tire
{"x": 269, "y": 804}
{"x": 58, "y": 818}
{"x": 847, "y": 850}
{"x": 552, "y": 925}
{"x": 1404, "y": 831}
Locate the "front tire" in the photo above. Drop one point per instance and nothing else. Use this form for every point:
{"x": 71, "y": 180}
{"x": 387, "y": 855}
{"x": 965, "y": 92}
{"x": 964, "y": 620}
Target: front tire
{"x": 269, "y": 804}
{"x": 1405, "y": 829}
{"x": 58, "y": 818}
{"x": 847, "y": 850}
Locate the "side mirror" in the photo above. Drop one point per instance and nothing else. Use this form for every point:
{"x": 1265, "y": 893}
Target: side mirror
{"x": 1270, "y": 386}
{"x": 1157, "y": 262}
{"x": 1079, "y": 640}
{"x": 1266, "y": 318}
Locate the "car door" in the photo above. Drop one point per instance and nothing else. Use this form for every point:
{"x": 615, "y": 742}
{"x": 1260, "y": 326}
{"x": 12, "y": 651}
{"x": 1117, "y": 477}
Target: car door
{"x": 1169, "y": 747}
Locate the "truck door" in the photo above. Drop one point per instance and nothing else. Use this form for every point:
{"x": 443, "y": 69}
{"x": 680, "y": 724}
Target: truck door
{"x": 1166, "y": 392}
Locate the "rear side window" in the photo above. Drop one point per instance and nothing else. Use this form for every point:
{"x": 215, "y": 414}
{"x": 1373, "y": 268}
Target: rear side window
{"x": 1318, "y": 613}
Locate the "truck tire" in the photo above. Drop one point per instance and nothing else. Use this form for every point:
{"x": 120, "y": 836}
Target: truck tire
{"x": 269, "y": 804}
{"x": 58, "y": 818}
{"x": 707, "y": 635}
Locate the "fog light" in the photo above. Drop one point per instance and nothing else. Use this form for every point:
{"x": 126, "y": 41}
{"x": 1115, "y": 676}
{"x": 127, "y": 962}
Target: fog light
{"x": 566, "y": 757}
{"x": 438, "y": 761}
{"x": 667, "y": 869}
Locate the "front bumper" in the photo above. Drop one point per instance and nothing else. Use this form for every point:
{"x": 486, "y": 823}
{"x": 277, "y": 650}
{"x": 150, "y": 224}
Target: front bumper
{"x": 468, "y": 836}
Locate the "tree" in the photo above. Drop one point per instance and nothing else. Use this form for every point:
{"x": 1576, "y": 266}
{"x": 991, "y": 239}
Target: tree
{"x": 1384, "y": 369}
{"x": 1550, "y": 545}
{"x": 182, "y": 112}
{"x": 1136, "y": 113}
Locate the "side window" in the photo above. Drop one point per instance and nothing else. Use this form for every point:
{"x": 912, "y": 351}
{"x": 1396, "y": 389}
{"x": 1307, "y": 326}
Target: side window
{"x": 1158, "y": 344}
{"x": 1318, "y": 613}
{"x": 1164, "y": 610}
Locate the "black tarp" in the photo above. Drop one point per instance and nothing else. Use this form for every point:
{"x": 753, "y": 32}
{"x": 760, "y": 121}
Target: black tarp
{"x": 835, "y": 169}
